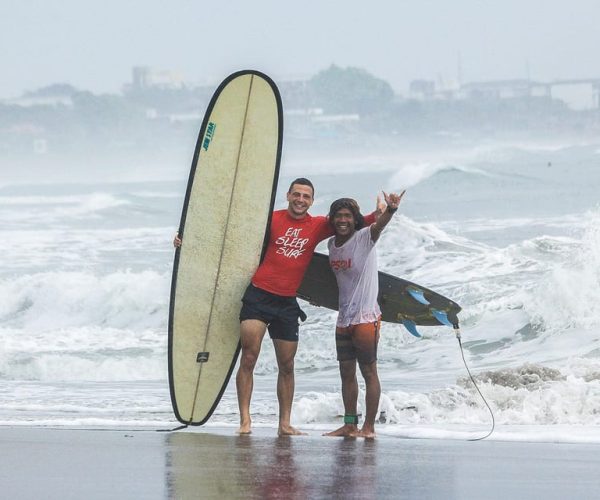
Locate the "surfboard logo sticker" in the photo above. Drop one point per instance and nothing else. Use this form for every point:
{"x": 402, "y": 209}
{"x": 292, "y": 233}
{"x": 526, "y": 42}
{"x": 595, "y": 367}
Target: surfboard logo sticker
{"x": 210, "y": 132}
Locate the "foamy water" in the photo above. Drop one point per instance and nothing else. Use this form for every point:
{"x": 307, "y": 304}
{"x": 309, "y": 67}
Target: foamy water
{"x": 512, "y": 234}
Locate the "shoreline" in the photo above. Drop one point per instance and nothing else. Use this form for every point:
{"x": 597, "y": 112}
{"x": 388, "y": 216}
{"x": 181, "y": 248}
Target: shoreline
{"x": 557, "y": 433}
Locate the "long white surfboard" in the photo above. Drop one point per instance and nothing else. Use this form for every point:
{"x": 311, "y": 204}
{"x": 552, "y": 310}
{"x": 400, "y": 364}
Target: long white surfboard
{"x": 227, "y": 207}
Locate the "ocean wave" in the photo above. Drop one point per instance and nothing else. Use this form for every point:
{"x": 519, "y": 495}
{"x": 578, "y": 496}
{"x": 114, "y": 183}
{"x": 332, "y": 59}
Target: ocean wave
{"x": 567, "y": 222}
{"x": 506, "y": 294}
{"x": 56, "y": 300}
{"x": 526, "y": 395}
{"x": 29, "y": 250}
{"x": 555, "y": 279}
{"x": 409, "y": 175}
{"x": 91, "y": 201}
{"x": 569, "y": 295}
{"x": 48, "y": 209}
{"x": 83, "y": 354}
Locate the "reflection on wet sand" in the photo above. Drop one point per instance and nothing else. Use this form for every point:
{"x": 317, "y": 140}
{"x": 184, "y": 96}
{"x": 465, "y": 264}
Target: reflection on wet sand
{"x": 206, "y": 465}
{"x": 354, "y": 470}
{"x": 202, "y": 465}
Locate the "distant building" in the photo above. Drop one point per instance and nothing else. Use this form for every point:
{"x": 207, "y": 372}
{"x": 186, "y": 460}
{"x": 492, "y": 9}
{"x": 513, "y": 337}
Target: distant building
{"x": 144, "y": 78}
{"x": 577, "y": 94}
{"x": 422, "y": 89}
{"x": 503, "y": 89}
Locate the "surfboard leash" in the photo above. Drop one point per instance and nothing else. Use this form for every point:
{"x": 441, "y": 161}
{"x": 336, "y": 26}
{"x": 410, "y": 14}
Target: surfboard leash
{"x": 184, "y": 426}
{"x": 462, "y": 353}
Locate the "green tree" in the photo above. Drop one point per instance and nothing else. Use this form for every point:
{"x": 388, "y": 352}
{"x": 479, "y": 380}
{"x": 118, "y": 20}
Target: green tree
{"x": 349, "y": 90}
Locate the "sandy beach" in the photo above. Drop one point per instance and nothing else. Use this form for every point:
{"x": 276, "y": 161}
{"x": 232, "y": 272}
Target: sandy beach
{"x": 215, "y": 463}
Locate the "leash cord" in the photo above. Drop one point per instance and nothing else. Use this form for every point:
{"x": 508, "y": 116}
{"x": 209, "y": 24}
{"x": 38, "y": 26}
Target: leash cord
{"x": 462, "y": 353}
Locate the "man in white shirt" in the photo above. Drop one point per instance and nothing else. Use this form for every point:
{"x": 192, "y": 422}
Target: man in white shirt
{"x": 353, "y": 259}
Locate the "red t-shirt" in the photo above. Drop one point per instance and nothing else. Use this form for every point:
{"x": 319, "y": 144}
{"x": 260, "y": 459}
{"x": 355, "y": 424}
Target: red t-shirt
{"x": 292, "y": 243}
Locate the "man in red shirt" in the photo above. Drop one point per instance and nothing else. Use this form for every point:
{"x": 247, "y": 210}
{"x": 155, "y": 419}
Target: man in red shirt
{"x": 270, "y": 299}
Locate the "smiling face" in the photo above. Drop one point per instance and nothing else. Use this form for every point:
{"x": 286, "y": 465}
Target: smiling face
{"x": 300, "y": 199}
{"x": 344, "y": 223}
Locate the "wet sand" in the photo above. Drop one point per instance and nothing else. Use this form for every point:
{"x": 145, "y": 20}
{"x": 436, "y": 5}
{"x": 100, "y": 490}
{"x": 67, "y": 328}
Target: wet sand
{"x": 215, "y": 463}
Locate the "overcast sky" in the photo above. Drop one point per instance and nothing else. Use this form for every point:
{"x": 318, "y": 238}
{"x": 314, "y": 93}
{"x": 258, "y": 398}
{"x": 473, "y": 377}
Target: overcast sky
{"x": 93, "y": 44}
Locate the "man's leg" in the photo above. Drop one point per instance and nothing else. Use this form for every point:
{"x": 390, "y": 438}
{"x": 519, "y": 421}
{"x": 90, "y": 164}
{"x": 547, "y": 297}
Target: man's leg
{"x": 252, "y": 332}
{"x": 349, "y": 396}
{"x": 285, "y": 351}
{"x": 373, "y": 392}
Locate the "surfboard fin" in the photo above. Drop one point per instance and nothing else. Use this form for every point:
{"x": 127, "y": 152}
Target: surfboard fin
{"x": 411, "y": 326}
{"x": 418, "y": 296}
{"x": 442, "y": 317}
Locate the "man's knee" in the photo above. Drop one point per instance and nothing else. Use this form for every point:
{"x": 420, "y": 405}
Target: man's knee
{"x": 285, "y": 362}
{"x": 251, "y": 335}
{"x": 348, "y": 370}
{"x": 368, "y": 370}
{"x": 285, "y": 351}
{"x": 248, "y": 359}
{"x": 286, "y": 366}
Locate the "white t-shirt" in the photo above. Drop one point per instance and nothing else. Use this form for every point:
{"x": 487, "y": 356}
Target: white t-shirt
{"x": 355, "y": 267}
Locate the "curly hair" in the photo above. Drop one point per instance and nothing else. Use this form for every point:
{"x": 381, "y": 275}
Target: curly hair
{"x": 350, "y": 204}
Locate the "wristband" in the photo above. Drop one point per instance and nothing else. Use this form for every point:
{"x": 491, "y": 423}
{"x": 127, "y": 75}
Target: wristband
{"x": 391, "y": 210}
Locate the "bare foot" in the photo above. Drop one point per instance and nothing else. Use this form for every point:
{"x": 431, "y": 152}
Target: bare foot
{"x": 245, "y": 428}
{"x": 367, "y": 433}
{"x": 288, "y": 430}
{"x": 347, "y": 430}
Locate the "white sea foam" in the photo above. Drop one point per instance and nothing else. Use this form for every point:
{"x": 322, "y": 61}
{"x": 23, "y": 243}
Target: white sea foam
{"x": 526, "y": 395}
{"x": 83, "y": 354}
{"x": 32, "y": 250}
{"x": 571, "y": 221}
{"x": 54, "y": 300}
{"x": 569, "y": 297}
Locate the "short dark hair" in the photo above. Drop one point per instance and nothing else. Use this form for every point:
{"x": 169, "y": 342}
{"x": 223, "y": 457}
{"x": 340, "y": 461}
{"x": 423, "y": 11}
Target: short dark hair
{"x": 350, "y": 204}
{"x": 303, "y": 182}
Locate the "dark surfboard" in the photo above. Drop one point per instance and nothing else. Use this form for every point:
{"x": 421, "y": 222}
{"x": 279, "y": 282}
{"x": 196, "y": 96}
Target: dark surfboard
{"x": 401, "y": 301}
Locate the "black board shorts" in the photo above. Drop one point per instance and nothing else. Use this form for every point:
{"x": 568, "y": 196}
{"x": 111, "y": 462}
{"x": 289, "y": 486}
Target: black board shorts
{"x": 280, "y": 314}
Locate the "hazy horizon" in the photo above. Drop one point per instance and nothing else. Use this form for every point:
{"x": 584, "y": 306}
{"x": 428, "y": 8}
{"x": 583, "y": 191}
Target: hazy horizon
{"x": 94, "y": 45}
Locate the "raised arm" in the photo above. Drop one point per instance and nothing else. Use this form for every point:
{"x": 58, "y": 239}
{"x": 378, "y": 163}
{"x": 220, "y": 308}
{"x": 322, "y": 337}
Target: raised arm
{"x": 392, "y": 201}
